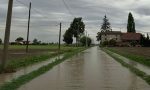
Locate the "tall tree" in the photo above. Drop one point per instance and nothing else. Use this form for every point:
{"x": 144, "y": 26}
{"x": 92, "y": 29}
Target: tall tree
{"x": 131, "y": 24}
{"x": 77, "y": 27}
{"x": 106, "y": 25}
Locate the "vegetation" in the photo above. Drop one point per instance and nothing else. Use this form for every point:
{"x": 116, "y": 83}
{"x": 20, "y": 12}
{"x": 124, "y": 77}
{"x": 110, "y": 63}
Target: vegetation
{"x": 131, "y": 24}
{"x": 16, "y": 83}
{"x": 145, "y": 41}
{"x": 68, "y": 37}
{"x": 141, "y": 59}
{"x": 110, "y": 43}
{"x": 76, "y": 28}
{"x": 37, "y": 53}
{"x": 36, "y": 42}
{"x": 106, "y": 27}
{"x": 0, "y": 41}
{"x": 139, "y": 73}
{"x": 85, "y": 40}
{"x": 19, "y": 39}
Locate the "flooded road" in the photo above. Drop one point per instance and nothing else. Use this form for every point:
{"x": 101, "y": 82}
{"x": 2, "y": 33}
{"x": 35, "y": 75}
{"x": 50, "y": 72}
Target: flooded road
{"x": 6, "y": 77}
{"x": 92, "y": 69}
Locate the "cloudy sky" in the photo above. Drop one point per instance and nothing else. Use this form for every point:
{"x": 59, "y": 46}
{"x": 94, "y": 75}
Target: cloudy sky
{"x": 46, "y": 15}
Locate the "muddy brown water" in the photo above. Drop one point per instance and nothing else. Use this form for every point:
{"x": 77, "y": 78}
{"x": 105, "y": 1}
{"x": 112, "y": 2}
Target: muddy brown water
{"x": 7, "y": 77}
{"x": 91, "y": 70}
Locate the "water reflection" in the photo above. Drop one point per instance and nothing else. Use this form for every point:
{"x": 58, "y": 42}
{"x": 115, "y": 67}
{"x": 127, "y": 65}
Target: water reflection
{"x": 10, "y": 76}
{"x": 93, "y": 69}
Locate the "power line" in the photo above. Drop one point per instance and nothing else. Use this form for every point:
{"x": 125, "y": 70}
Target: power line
{"x": 67, "y": 7}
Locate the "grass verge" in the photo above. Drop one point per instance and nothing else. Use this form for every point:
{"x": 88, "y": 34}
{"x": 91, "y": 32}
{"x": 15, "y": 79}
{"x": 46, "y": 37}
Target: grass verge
{"x": 16, "y": 83}
{"x": 140, "y": 59}
{"x": 138, "y": 72}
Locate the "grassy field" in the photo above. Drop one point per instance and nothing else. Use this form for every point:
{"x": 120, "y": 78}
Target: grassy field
{"x": 18, "y": 58}
{"x": 138, "y": 54}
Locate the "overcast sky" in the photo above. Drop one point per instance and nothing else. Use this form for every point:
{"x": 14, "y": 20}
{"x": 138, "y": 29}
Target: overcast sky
{"x": 46, "y": 15}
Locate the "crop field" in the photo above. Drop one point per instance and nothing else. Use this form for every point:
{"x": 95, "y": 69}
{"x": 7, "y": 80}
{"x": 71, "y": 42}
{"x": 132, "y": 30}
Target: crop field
{"x": 140, "y": 51}
{"x": 19, "y": 51}
{"x": 138, "y": 54}
{"x": 17, "y": 56}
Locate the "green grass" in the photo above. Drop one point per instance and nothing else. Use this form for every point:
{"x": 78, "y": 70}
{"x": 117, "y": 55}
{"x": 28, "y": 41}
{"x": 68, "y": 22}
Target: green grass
{"x": 138, "y": 72}
{"x": 16, "y": 83}
{"x": 140, "y": 59}
{"x": 55, "y": 46}
{"x": 29, "y": 60}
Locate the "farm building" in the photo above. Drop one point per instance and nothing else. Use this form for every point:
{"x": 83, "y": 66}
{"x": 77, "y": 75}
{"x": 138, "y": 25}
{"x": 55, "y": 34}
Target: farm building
{"x": 124, "y": 39}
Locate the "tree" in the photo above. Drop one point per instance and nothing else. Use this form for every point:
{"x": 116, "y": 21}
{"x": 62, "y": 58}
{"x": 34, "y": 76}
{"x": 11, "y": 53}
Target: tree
{"x": 0, "y": 41}
{"x": 83, "y": 41}
{"x": 106, "y": 25}
{"x": 147, "y": 37}
{"x": 19, "y": 39}
{"x": 68, "y": 37}
{"x": 112, "y": 42}
{"x": 36, "y": 42}
{"x": 131, "y": 24}
{"x": 77, "y": 27}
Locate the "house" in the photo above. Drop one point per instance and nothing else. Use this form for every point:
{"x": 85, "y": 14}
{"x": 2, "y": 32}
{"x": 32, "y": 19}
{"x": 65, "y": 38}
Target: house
{"x": 129, "y": 38}
{"x": 122, "y": 39}
{"x": 115, "y": 35}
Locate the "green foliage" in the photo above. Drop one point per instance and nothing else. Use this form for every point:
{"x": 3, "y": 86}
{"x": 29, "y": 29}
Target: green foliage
{"x": 106, "y": 25}
{"x": 0, "y": 41}
{"x": 19, "y": 39}
{"x": 36, "y": 42}
{"x": 68, "y": 37}
{"x": 145, "y": 41}
{"x": 76, "y": 28}
{"x": 83, "y": 41}
{"x": 110, "y": 43}
{"x": 98, "y": 36}
{"x": 131, "y": 24}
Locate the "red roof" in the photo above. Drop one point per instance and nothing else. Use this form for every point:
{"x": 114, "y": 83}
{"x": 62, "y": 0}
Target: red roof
{"x": 131, "y": 36}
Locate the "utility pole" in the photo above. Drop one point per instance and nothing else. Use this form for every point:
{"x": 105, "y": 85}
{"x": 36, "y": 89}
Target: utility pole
{"x": 7, "y": 34}
{"x": 59, "y": 37}
{"x": 27, "y": 48}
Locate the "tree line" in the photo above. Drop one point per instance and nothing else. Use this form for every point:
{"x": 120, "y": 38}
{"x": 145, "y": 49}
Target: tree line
{"x": 76, "y": 30}
{"x": 106, "y": 27}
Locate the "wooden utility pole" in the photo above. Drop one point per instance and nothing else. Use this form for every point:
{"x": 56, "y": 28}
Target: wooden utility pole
{"x": 27, "y": 48}
{"x": 59, "y": 37}
{"x": 7, "y": 34}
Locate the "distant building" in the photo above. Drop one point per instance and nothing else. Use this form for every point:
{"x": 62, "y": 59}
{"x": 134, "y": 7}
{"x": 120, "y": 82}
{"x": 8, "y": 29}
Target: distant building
{"x": 115, "y": 35}
{"x": 122, "y": 39}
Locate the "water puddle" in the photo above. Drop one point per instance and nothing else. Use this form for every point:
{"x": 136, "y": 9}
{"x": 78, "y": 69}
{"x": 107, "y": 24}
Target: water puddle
{"x": 10, "y": 76}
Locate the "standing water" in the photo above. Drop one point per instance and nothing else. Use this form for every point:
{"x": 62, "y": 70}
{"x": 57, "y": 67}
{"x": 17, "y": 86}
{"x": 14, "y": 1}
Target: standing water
{"x": 92, "y": 69}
